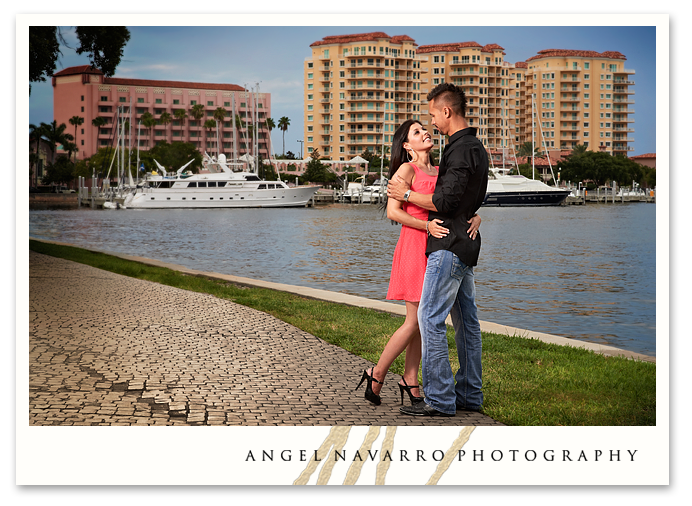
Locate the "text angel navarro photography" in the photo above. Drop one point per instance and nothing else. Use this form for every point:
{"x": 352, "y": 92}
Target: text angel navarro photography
{"x": 550, "y": 455}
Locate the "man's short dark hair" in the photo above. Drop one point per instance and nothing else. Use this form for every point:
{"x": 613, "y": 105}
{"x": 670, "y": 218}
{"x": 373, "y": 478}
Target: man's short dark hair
{"x": 450, "y": 96}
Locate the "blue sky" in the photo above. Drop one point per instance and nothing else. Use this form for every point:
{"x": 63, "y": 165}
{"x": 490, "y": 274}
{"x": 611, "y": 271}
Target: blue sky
{"x": 274, "y": 55}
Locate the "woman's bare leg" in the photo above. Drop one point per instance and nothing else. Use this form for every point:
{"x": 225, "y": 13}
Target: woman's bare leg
{"x": 407, "y": 337}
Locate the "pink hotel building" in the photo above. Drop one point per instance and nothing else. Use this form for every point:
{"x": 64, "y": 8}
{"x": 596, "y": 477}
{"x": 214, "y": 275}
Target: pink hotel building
{"x": 85, "y": 92}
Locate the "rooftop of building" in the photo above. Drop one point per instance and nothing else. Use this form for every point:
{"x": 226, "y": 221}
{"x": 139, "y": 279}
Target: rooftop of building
{"x": 645, "y": 155}
{"x": 551, "y": 53}
{"x": 450, "y": 47}
{"x": 362, "y": 37}
{"x": 86, "y": 69}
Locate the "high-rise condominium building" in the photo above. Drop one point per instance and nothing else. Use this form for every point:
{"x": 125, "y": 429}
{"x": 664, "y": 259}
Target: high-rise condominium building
{"x": 358, "y": 89}
{"x": 180, "y": 109}
{"x": 579, "y": 97}
{"x": 487, "y": 81}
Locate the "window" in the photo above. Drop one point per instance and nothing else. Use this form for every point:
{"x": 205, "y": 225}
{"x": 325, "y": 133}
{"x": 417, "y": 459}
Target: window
{"x": 159, "y": 101}
{"x": 210, "y": 102}
{"x": 309, "y": 65}
{"x": 193, "y": 102}
{"x": 309, "y": 75}
{"x": 104, "y": 99}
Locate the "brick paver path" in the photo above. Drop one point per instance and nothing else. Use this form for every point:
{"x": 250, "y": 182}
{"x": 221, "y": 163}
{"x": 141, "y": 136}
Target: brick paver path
{"x": 107, "y": 349}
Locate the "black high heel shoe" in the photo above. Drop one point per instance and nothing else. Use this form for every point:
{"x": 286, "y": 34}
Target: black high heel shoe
{"x": 405, "y": 387}
{"x": 369, "y": 394}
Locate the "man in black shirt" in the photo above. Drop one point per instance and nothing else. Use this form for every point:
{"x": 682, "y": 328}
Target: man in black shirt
{"x": 449, "y": 283}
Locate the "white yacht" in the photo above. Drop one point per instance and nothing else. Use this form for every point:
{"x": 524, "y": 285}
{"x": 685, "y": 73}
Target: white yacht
{"x": 216, "y": 186}
{"x": 504, "y": 190}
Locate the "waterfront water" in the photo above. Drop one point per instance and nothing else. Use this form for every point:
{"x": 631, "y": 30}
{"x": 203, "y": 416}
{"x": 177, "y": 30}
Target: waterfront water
{"x": 586, "y": 272}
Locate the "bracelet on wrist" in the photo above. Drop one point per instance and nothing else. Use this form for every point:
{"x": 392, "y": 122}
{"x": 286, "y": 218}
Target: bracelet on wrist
{"x": 427, "y": 223}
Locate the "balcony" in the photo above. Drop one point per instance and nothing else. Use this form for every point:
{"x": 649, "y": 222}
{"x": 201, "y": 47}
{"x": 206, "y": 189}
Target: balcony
{"x": 624, "y": 71}
{"x": 459, "y": 73}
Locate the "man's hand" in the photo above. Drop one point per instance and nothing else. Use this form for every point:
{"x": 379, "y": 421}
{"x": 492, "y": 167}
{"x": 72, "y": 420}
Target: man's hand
{"x": 397, "y": 187}
{"x": 475, "y": 225}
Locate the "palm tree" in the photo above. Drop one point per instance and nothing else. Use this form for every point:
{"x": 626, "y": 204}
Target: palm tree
{"x": 209, "y": 125}
{"x": 76, "y": 121}
{"x": 527, "y": 149}
{"x": 270, "y": 126}
{"x": 165, "y": 118}
{"x": 197, "y": 112}
{"x": 149, "y": 122}
{"x": 35, "y": 134}
{"x": 284, "y": 122}
{"x": 180, "y": 115}
{"x": 219, "y": 114}
{"x": 579, "y": 149}
{"x": 56, "y": 135}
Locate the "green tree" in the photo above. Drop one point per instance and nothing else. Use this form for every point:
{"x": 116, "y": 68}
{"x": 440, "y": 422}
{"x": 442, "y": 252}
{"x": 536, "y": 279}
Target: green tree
{"x": 55, "y": 134}
{"x": 180, "y": 115}
{"x": 197, "y": 112}
{"x": 316, "y": 171}
{"x": 209, "y": 126}
{"x": 219, "y": 114}
{"x": 270, "y": 126}
{"x": 35, "y": 135}
{"x": 59, "y": 172}
{"x": 173, "y": 155}
{"x": 527, "y": 149}
{"x": 165, "y": 118}
{"x": 76, "y": 121}
{"x": 149, "y": 122}
{"x": 103, "y": 45}
{"x": 283, "y": 125}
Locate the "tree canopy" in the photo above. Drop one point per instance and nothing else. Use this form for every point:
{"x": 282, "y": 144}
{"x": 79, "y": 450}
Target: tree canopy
{"x": 103, "y": 44}
{"x": 603, "y": 168}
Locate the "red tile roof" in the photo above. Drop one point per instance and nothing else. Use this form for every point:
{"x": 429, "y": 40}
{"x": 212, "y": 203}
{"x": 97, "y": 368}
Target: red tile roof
{"x": 82, "y": 69}
{"x": 548, "y": 53}
{"x": 489, "y": 48}
{"x": 86, "y": 69}
{"x": 452, "y": 46}
{"x": 645, "y": 155}
{"x": 361, "y": 37}
{"x": 521, "y": 65}
{"x": 171, "y": 84}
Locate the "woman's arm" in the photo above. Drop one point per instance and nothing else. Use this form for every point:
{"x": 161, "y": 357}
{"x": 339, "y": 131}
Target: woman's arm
{"x": 395, "y": 210}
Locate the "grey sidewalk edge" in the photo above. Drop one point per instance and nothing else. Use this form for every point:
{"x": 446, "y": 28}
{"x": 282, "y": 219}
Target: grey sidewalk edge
{"x": 388, "y": 307}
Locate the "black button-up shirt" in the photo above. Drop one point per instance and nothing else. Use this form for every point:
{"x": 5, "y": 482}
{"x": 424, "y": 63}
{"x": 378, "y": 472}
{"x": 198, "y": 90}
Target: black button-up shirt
{"x": 459, "y": 193}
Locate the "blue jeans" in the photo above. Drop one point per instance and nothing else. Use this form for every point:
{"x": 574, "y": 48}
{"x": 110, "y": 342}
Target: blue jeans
{"x": 449, "y": 287}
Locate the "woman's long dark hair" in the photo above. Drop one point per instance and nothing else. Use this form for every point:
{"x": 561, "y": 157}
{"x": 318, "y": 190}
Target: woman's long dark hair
{"x": 399, "y": 154}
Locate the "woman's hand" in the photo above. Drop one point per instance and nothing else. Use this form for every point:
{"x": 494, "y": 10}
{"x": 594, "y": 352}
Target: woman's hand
{"x": 436, "y": 230}
{"x": 475, "y": 225}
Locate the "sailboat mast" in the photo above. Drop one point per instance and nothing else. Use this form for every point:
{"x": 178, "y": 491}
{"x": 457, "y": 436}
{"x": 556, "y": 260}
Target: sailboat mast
{"x": 533, "y": 137}
{"x": 235, "y": 132}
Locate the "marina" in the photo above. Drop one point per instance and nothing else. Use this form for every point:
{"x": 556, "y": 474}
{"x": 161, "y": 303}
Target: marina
{"x": 580, "y": 272}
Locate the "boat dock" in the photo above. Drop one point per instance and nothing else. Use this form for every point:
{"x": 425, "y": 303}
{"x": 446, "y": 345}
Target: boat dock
{"x": 596, "y": 197}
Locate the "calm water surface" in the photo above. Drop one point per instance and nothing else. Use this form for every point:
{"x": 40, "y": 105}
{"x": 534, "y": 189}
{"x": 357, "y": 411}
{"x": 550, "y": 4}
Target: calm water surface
{"x": 586, "y": 272}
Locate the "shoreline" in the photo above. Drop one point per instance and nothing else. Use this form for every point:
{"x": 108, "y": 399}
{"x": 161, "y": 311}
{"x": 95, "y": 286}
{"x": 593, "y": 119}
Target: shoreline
{"x": 353, "y": 300}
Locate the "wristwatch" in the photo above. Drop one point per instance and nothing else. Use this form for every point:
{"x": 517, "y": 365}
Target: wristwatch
{"x": 407, "y": 195}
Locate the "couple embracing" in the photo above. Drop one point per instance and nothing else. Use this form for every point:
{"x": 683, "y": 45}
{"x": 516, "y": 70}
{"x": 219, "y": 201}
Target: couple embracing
{"x": 432, "y": 270}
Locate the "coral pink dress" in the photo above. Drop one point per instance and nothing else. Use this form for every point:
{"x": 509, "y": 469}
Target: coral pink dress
{"x": 408, "y": 266}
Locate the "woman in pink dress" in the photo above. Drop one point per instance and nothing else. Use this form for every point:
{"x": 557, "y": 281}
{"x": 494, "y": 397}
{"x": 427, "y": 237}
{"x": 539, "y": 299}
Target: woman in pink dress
{"x": 412, "y": 161}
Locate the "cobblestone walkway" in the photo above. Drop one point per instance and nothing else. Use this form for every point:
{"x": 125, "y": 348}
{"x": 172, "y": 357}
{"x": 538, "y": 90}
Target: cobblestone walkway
{"x": 106, "y": 349}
